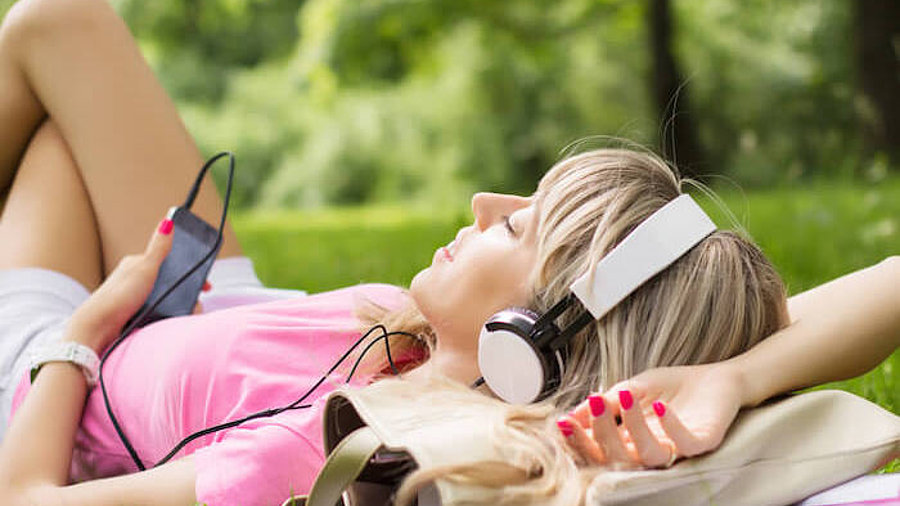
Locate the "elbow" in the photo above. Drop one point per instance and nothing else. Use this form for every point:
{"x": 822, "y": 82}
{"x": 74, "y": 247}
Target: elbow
{"x": 12, "y": 497}
{"x": 891, "y": 268}
{"x": 13, "y": 493}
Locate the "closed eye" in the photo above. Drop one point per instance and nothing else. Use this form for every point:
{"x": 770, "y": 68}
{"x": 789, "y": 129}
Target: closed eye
{"x": 509, "y": 226}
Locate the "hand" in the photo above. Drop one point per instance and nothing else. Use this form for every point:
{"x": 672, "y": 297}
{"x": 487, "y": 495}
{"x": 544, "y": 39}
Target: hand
{"x": 673, "y": 412}
{"x": 99, "y": 320}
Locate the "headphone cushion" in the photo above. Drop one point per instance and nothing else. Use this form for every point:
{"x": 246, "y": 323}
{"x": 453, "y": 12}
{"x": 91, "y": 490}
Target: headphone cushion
{"x": 524, "y": 311}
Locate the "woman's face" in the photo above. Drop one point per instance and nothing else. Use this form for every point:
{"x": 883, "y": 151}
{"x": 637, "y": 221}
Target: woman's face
{"x": 488, "y": 267}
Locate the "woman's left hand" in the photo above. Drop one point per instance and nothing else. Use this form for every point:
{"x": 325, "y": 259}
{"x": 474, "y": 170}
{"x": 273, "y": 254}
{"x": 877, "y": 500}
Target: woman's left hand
{"x": 99, "y": 320}
{"x": 667, "y": 413}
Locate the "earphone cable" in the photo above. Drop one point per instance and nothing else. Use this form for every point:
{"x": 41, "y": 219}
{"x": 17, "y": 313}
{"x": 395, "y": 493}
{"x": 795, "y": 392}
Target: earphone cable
{"x": 298, "y": 404}
{"x": 136, "y": 321}
{"x": 147, "y": 310}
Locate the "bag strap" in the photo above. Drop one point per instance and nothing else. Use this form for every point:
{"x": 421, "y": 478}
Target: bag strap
{"x": 343, "y": 466}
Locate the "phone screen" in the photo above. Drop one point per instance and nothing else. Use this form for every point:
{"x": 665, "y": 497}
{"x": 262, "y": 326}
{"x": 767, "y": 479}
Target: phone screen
{"x": 192, "y": 240}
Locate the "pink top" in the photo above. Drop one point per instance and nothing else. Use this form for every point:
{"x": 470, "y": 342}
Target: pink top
{"x": 178, "y": 376}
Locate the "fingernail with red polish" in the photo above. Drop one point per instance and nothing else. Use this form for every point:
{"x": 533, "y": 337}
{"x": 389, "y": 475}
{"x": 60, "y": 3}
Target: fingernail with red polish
{"x": 565, "y": 427}
{"x": 660, "y": 408}
{"x": 165, "y": 226}
{"x": 206, "y": 286}
{"x": 597, "y": 406}
{"x": 625, "y": 399}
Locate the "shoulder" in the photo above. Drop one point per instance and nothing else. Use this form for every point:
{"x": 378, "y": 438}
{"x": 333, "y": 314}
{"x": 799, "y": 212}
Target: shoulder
{"x": 380, "y": 293}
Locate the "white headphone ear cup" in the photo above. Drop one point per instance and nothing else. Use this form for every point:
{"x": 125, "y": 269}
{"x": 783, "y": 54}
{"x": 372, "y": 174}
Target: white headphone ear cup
{"x": 509, "y": 363}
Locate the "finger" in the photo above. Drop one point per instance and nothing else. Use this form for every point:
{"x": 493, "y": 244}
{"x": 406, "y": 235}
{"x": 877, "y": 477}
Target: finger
{"x": 637, "y": 389}
{"x": 650, "y": 451}
{"x": 198, "y": 308}
{"x": 605, "y": 431}
{"x": 583, "y": 444}
{"x": 160, "y": 242}
{"x": 581, "y": 413}
{"x": 688, "y": 445}
{"x": 206, "y": 286}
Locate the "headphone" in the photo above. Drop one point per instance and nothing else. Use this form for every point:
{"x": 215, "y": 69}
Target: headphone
{"x": 522, "y": 354}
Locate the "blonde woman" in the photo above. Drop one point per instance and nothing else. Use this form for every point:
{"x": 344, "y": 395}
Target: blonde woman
{"x": 93, "y": 152}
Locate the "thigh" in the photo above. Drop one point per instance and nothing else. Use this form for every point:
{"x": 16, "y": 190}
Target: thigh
{"x": 20, "y": 111}
{"x": 48, "y": 221}
{"x": 135, "y": 155}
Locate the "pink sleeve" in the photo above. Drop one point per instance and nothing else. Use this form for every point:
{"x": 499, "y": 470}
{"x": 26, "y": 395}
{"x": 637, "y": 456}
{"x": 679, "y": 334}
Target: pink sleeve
{"x": 261, "y": 464}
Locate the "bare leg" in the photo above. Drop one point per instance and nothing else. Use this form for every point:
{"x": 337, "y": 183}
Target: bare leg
{"x": 77, "y": 61}
{"x": 20, "y": 111}
{"x": 48, "y": 220}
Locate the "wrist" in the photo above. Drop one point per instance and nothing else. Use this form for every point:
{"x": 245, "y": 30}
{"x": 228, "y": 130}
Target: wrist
{"x": 87, "y": 335}
{"x": 735, "y": 372}
{"x": 64, "y": 351}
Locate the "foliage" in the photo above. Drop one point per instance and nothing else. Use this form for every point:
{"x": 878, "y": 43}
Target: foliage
{"x": 773, "y": 86}
{"x": 352, "y": 101}
{"x": 384, "y": 100}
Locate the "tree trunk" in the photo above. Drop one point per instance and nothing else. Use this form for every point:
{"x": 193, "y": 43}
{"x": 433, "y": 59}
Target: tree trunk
{"x": 677, "y": 131}
{"x": 878, "y": 73}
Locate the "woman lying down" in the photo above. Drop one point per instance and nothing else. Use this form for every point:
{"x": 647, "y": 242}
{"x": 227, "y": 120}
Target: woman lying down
{"x": 93, "y": 152}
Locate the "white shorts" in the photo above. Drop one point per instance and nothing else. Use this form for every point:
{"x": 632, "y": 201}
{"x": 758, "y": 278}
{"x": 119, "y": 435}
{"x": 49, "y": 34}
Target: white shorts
{"x": 35, "y": 305}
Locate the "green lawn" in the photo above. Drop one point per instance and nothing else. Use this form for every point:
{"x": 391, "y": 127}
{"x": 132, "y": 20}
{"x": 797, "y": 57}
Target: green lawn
{"x": 812, "y": 234}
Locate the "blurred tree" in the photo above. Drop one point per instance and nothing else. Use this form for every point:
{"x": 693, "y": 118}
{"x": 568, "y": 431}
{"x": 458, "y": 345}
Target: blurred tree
{"x": 197, "y": 43}
{"x": 678, "y": 134}
{"x": 345, "y": 101}
{"x": 878, "y": 69}
{"x": 772, "y": 84}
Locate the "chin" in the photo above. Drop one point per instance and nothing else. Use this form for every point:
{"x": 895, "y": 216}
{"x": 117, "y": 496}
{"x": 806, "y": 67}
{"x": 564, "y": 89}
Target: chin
{"x": 418, "y": 290}
{"x": 427, "y": 298}
{"x": 415, "y": 286}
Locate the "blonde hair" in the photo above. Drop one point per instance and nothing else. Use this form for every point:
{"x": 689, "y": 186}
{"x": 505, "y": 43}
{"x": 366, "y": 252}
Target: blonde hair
{"x": 715, "y": 302}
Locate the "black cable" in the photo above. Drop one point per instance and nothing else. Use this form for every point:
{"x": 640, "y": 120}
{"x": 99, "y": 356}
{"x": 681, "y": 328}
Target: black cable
{"x": 297, "y": 404}
{"x": 387, "y": 349}
{"x": 136, "y": 321}
{"x": 147, "y": 310}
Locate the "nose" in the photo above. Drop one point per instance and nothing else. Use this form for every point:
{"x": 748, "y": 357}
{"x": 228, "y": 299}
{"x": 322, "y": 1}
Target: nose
{"x": 489, "y": 208}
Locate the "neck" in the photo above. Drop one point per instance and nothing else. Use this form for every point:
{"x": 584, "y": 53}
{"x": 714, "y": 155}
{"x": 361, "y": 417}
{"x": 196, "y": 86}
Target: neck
{"x": 458, "y": 365}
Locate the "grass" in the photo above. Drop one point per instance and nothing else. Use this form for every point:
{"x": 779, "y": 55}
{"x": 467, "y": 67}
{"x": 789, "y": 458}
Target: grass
{"x": 812, "y": 234}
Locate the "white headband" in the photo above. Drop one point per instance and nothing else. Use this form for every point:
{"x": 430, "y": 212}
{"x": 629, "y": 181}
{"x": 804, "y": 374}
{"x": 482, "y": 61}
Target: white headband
{"x": 652, "y": 246}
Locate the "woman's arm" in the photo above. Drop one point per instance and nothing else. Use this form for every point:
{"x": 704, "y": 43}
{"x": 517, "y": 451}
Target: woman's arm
{"x": 838, "y": 330}
{"x": 35, "y": 457}
{"x": 36, "y": 453}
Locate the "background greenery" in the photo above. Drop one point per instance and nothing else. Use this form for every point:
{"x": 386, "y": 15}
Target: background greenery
{"x": 361, "y": 101}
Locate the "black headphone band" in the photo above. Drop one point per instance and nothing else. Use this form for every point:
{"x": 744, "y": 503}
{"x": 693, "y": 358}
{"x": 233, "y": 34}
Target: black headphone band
{"x": 545, "y": 333}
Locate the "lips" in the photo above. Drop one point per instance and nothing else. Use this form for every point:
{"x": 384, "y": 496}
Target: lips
{"x": 446, "y": 252}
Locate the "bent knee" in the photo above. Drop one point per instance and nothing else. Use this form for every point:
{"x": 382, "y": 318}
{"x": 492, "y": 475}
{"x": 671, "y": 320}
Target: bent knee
{"x": 58, "y": 17}
{"x": 49, "y": 136}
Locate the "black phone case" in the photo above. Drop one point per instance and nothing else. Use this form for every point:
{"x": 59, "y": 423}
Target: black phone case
{"x": 193, "y": 239}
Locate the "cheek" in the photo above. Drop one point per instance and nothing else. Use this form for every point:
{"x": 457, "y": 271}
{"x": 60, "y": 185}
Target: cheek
{"x": 460, "y": 296}
{"x": 457, "y": 297}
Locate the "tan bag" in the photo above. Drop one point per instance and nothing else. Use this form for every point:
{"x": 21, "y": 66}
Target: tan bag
{"x": 775, "y": 454}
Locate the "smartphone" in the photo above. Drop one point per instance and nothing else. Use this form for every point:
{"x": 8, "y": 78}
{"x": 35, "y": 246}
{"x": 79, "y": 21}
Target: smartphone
{"x": 193, "y": 240}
